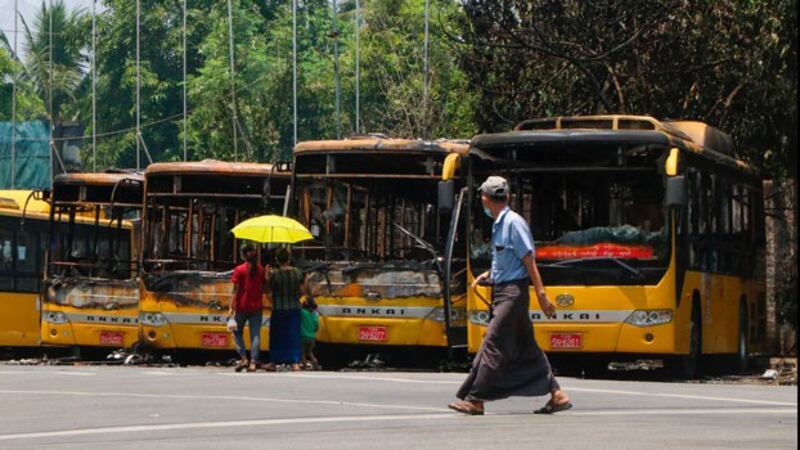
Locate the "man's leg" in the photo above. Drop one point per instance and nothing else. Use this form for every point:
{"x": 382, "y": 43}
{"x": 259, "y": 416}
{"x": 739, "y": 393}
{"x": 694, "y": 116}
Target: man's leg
{"x": 238, "y": 339}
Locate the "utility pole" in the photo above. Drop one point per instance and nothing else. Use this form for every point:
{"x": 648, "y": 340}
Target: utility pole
{"x": 138, "y": 86}
{"x": 185, "y": 129}
{"x": 233, "y": 82}
{"x": 358, "y": 70}
{"x": 14, "y": 105}
{"x": 294, "y": 73}
{"x": 94, "y": 87}
{"x": 336, "y": 69}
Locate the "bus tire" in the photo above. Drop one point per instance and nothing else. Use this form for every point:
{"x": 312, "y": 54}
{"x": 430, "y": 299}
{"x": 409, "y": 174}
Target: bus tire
{"x": 742, "y": 357}
{"x": 689, "y": 365}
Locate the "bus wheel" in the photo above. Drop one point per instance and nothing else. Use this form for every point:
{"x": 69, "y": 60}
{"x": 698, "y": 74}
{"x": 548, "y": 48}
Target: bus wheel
{"x": 689, "y": 364}
{"x": 742, "y": 350}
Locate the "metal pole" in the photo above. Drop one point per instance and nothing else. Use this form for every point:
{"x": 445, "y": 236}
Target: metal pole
{"x": 233, "y": 81}
{"x": 336, "y": 68}
{"x": 358, "y": 71}
{"x": 94, "y": 87}
{"x": 185, "y": 129}
{"x": 294, "y": 73}
{"x": 50, "y": 92}
{"x": 14, "y": 106}
{"x": 138, "y": 85}
{"x": 425, "y": 75}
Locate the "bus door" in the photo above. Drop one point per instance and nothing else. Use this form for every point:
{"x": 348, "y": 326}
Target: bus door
{"x": 455, "y": 266}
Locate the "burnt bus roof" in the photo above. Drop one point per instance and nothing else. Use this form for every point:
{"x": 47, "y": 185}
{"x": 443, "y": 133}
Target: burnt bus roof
{"x": 213, "y": 167}
{"x": 358, "y": 144}
{"x": 95, "y": 179}
{"x": 538, "y": 131}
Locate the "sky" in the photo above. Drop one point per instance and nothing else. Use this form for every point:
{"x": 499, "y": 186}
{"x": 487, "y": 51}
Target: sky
{"x": 28, "y": 9}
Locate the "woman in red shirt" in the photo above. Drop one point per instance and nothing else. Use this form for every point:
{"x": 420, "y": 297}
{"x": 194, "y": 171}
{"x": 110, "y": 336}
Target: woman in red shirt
{"x": 246, "y": 306}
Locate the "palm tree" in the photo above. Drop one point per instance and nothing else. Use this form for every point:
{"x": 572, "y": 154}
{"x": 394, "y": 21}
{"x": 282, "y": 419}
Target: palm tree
{"x": 56, "y": 82}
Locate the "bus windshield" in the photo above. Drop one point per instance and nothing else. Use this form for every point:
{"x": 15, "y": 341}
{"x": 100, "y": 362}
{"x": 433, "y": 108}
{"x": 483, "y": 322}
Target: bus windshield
{"x": 595, "y": 220}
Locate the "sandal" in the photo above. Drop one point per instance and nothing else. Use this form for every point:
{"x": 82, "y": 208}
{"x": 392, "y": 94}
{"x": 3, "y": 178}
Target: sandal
{"x": 241, "y": 365}
{"x": 252, "y": 367}
{"x": 550, "y": 408}
{"x": 467, "y": 407}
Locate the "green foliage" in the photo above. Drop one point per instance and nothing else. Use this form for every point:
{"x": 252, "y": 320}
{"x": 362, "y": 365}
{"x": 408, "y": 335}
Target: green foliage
{"x": 729, "y": 63}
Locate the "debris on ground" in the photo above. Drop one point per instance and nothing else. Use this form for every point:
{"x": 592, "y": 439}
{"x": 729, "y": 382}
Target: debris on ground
{"x": 783, "y": 371}
{"x": 372, "y": 361}
{"x": 639, "y": 364}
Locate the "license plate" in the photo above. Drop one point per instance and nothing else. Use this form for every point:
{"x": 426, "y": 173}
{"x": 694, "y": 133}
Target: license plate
{"x": 214, "y": 339}
{"x": 375, "y": 334}
{"x": 566, "y": 340}
{"x": 111, "y": 337}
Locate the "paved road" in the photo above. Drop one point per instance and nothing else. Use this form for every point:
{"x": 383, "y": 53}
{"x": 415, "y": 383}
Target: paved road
{"x": 136, "y": 407}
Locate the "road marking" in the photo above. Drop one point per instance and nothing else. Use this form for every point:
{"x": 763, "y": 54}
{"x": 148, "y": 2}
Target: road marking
{"x": 222, "y": 424}
{"x": 681, "y": 396}
{"x": 567, "y": 388}
{"x": 363, "y": 419}
{"x": 221, "y": 397}
{"x": 57, "y": 372}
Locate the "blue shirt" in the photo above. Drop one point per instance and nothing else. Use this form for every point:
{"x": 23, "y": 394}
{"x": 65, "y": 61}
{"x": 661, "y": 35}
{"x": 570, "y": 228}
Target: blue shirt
{"x": 511, "y": 241}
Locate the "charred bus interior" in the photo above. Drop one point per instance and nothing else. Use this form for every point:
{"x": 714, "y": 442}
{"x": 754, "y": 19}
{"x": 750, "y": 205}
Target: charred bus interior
{"x": 191, "y": 210}
{"x": 595, "y": 204}
{"x": 93, "y": 218}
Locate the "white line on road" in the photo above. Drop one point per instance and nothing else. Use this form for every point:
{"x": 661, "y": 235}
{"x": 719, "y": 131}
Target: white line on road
{"x": 220, "y": 397}
{"x": 567, "y": 388}
{"x": 363, "y": 419}
{"x": 57, "y": 372}
{"x": 683, "y": 396}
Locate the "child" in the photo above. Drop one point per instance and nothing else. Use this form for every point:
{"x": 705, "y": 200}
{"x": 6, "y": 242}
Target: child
{"x": 309, "y": 325}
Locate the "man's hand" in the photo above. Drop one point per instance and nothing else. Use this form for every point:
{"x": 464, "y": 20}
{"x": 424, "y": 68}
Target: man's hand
{"x": 479, "y": 278}
{"x": 548, "y": 308}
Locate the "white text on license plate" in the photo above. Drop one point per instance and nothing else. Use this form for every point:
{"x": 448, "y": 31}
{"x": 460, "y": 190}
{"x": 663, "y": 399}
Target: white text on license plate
{"x": 214, "y": 339}
{"x": 377, "y": 334}
{"x": 110, "y": 337}
{"x": 566, "y": 340}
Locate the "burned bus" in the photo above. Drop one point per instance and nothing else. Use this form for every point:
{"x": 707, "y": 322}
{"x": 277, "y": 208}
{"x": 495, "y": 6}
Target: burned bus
{"x": 376, "y": 263}
{"x": 649, "y": 237}
{"x": 91, "y": 286}
{"x": 189, "y": 252}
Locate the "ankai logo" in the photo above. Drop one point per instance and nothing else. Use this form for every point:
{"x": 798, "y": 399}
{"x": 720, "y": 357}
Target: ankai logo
{"x": 565, "y": 300}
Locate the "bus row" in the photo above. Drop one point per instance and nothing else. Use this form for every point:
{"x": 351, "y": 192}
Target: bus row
{"x": 649, "y": 237}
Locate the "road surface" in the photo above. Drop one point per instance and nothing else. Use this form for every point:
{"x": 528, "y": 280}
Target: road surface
{"x": 139, "y": 407}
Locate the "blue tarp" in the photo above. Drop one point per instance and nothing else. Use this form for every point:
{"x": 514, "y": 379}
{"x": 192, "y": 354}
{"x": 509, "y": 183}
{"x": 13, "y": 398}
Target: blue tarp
{"x": 32, "y": 155}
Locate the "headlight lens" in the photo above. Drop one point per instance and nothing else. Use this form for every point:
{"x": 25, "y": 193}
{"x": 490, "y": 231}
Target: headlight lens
{"x": 649, "y": 317}
{"x": 456, "y": 314}
{"x": 153, "y": 319}
{"x": 479, "y": 317}
{"x": 56, "y": 317}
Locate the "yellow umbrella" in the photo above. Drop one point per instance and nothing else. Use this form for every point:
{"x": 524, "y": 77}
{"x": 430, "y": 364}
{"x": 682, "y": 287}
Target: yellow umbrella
{"x": 272, "y": 229}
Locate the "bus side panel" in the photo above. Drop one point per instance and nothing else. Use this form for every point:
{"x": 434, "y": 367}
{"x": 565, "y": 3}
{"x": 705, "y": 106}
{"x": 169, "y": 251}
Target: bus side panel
{"x": 19, "y": 319}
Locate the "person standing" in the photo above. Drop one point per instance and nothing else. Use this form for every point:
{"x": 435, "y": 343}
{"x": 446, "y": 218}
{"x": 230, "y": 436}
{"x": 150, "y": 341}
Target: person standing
{"x": 509, "y": 361}
{"x": 247, "y": 305}
{"x": 286, "y": 284}
{"x": 309, "y": 326}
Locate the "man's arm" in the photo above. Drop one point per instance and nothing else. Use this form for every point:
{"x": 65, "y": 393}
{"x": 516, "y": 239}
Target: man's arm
{"x": 538, "y": 286}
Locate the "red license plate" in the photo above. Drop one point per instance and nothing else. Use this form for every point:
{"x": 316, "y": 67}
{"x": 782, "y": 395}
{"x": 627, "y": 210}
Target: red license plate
{"x": 375, "y": 334}
{"x": 111, "y": 337}
{"x": 214, "y": 339}
{"x": 566, "y": 340}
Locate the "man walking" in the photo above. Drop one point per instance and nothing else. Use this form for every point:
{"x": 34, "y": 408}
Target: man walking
{"x": 509, "y": 362}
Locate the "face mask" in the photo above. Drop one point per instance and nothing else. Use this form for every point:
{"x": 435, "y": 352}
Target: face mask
{"x": 488, "y": 212}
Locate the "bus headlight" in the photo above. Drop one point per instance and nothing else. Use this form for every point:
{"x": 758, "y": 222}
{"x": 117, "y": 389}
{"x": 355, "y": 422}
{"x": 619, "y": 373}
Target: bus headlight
{"x": 649, "y": 317}
{"x": 152, "y": 319}
{"x": 437, "y": 314}
{"x": 56, "y": 317}
{"x": 479, "y": 317}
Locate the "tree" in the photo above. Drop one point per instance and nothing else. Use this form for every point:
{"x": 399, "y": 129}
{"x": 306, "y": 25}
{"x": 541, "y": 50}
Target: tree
{"x": 729, "y": 63}
{"x": 55, "y": 72}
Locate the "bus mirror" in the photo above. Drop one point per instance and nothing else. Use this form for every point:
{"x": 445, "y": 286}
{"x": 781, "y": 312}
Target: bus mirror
{"x": 676, "y": 192}
{"x": 447, "y": 194}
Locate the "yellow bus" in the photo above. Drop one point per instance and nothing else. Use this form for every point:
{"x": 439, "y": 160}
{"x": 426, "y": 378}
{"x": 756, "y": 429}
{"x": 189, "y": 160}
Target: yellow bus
{"x": 188, "y": 251}
{"x": 376, "y": 262}
{"x": 24, "y": 217}
{"x": 91, "y": 288}
{"x": 649, "y": 237}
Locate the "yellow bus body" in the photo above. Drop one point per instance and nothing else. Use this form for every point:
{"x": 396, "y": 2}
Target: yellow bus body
{"x": 20, "y": 311}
